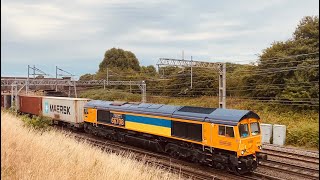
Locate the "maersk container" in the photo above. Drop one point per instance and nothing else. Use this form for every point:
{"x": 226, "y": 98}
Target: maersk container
{"x": 64, "y": 109}
{"x": 30, "y": 104}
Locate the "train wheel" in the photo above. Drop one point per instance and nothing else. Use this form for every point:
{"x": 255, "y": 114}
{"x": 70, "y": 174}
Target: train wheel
{"x": 194, "y": 159}
{"x": 240, "y": 170}
{"x": 174, "y": 154}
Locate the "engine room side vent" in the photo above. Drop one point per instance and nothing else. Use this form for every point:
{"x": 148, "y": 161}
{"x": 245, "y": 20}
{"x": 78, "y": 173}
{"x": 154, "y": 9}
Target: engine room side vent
{"x": 197, "y": 109}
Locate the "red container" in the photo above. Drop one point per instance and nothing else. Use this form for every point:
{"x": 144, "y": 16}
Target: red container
{"x": 30, "y": 104}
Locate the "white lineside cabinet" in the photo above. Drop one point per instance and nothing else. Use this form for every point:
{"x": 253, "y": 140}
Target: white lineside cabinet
{"x": 279, "y": 134}
{"x": 266, "y": 132}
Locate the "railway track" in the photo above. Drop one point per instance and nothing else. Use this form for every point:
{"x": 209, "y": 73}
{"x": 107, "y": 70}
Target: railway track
{"x": 195, "y": 171}
{"x": 296, "y": 170}
{"x": 183, "y": 168}
{"x": 299, "y": 157}
{"x": 291, "y": 161}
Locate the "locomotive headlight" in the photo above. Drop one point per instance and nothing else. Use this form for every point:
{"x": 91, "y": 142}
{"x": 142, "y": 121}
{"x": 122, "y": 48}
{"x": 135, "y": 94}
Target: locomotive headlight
{"x": 260, "y": 147}
{"x": 242, "y": 152}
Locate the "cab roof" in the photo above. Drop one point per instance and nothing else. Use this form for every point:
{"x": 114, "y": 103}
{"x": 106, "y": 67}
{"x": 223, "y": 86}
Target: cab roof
{"x": 213, "y": 115}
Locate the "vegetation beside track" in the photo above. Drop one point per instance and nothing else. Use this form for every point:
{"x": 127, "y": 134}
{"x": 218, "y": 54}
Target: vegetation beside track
{"x": 27, "y": 153}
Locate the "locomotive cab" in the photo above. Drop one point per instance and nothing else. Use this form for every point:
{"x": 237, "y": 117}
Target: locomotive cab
{"x": 250, "y": 145}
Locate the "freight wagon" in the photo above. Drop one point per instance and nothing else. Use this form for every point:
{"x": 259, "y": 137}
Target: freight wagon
{"x": 29, "y": 104}
{"x": 64, "y": 109}
{"x": 61, "y": 109}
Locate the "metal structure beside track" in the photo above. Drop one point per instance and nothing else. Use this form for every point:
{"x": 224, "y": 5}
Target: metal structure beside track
{"x": 220, "y": 67}
{"x": 17, "y": 84}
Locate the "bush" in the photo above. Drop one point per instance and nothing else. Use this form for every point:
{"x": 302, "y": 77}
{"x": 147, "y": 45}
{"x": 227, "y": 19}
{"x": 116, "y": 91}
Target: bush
{"x": 306, "y": 135}
{"x": 37, "y": 122}
{"x": 110, "y": 95}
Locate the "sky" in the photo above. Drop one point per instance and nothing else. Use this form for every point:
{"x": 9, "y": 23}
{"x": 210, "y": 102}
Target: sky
{"x": 74, "y": 35}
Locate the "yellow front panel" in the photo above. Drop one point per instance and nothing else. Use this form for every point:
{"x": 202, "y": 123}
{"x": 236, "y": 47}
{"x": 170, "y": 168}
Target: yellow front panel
{"x": 91, "y": 116}
{"x": 157, "y": 130}
{"x": 250, "y": 143}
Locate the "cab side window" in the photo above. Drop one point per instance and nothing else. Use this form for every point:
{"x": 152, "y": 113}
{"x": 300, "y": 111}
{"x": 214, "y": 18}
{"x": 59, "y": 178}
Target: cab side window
{"x": 229, "y": 132}
{"x": 222, "y": 130}
{"x": 226, "y": 131}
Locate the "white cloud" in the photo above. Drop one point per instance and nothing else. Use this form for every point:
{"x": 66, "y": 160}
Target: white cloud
{"x": 78, "y": 32}
{"x": 39, "y": 21}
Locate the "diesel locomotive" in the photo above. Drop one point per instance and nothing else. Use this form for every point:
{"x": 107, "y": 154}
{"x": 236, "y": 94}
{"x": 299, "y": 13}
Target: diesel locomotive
{"x": 221, "y": 138}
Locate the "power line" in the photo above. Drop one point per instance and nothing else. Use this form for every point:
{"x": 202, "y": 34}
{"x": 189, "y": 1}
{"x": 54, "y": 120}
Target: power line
{"x": 288, "y": 62}
{"x": 280, "y": 58}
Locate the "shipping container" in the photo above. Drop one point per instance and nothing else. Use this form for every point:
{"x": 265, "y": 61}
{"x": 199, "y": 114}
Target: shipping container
{"x": 30, "y": 104}
{"x": 64, "y": 109}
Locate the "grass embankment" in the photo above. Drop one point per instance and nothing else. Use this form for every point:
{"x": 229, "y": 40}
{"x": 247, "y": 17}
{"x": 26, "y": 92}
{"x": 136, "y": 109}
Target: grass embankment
{"x": 27, "y": 153}
{"x": 302, "y": 126}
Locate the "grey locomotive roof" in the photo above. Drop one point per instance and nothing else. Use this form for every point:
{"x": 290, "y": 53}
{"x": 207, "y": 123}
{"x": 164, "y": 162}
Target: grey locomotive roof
{"x": 218, "y": 116}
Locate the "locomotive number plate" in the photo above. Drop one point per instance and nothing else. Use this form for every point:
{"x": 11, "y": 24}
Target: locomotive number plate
{"x": 117, "y": 119}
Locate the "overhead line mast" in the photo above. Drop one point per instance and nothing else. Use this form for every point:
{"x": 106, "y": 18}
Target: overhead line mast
{"x": 220, "y": 67}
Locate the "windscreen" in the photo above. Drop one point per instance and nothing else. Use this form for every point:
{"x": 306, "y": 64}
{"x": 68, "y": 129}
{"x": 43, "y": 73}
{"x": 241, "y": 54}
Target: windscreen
{"x": 255, "y": 129}
{"x": 243, "y": 130}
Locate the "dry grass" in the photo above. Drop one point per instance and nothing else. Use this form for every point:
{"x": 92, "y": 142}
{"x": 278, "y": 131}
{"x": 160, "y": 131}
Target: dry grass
{"x": 29, "y": 154}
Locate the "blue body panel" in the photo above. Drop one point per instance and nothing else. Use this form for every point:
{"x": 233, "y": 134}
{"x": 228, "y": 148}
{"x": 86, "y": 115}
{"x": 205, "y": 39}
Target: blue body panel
{"x": 148, "y": 120}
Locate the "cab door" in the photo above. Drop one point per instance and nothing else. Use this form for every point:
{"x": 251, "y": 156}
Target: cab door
{"x": 208, "y": 137}
{"x": 225, "y": 137}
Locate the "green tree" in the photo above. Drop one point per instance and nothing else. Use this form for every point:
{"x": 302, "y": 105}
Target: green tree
{"x": 149, "y": 70}
{"x": 87, "y": 77}
{"x": 119, "y": 58}
{"x": 283, "y": 72}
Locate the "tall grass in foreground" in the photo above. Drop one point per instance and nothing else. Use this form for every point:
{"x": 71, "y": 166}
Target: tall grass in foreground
{"x": 30, "y": 154}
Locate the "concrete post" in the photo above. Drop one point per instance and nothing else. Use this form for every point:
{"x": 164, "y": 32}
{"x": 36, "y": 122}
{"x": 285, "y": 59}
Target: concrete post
{"x": 222, "y": 85}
